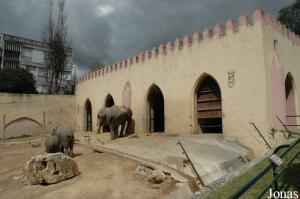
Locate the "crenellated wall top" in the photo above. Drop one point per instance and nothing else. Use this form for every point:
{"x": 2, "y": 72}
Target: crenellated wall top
{"x": 258, "y": 16}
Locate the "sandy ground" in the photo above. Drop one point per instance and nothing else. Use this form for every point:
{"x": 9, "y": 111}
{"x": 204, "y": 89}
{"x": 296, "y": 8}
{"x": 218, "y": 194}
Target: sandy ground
{"x": 103, "y": 175}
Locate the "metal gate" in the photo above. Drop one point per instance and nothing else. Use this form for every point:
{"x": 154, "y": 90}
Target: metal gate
{"x": 209, "y": 107}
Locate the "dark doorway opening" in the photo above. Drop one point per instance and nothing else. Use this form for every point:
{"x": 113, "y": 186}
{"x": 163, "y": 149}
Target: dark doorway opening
{"x": 109, "y": 102}
{"x": 155, "y": 106}
{"x": 209, "y": 106}
{"x": 88, "y": 110}
{"x": 291, "y": 113}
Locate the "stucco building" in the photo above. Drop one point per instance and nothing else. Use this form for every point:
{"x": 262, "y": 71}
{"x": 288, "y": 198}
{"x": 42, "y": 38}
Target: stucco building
{"x": 216, "y": 81}
{"x": 30, "y": 54}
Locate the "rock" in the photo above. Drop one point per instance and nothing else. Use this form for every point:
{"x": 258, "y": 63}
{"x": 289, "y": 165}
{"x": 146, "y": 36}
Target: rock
{"x": 140, "y": 170}
{"x": 34, "y": 144}
{"x": 157, "y": 176}
{"x": 49, "y": 168}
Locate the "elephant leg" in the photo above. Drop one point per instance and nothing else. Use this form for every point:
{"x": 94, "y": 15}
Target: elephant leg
{"x": 71, "y": 150}
{"x": 62, "y": 149}
{"x": 113, "y": 134}
{"x": 122, "y": 129}
{"x": 67, "y": 152}
{"x": 116, "y": 131}
{"x": 128, "y": 127}
{"x": 113, "y": 131}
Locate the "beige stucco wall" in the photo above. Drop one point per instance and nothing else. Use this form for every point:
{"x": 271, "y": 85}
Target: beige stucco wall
{"x": 177, "y": 74}
{"x": 58, "y": 109}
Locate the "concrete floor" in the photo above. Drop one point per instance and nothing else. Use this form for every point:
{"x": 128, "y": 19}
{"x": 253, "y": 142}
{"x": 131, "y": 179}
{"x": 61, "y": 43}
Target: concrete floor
{"x": 212, "y": 155}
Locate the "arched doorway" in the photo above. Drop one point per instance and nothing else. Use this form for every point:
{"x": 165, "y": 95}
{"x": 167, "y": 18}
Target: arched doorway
{"x": 109, "y": 101}
{"x": 88, "y": 116}
{"x": 208, "y": 106}
{"x": 155, "y": 110}
{"x": 290, "y": 100}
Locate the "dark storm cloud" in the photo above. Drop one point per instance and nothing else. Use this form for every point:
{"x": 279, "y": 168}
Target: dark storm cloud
{"x": 110, "y": 30}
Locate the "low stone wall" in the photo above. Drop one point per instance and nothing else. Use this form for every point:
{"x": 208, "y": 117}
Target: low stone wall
{"x": 29, "y": 114}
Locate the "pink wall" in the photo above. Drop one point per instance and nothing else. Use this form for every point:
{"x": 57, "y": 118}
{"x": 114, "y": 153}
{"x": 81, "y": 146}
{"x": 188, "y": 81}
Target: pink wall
{"x": 127, "y": 95}
{"x": 291, "y": 105}
{"x": 276, "y": 72}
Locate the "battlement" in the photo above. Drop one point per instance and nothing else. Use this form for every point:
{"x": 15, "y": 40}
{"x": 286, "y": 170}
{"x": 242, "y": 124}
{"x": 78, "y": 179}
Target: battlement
{"x": 258, "y": 16}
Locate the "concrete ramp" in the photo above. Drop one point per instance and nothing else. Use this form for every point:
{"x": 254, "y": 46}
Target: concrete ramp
{"x": 212, "y": 155}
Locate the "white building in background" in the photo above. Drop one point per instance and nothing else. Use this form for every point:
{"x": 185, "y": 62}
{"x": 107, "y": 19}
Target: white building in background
{"x": 30, "y": 54}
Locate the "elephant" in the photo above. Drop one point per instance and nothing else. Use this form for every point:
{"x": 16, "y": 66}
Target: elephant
{"x": 101, "y": 120}
{"x": 66, "y": 139}
{"x": 52, "y": 144}
{"x": 114, "y": 117}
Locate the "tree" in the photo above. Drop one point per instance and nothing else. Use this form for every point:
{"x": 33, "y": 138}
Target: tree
{"x": 17, "y": 81}
{"x": 56, "y": 56}
{"x": 96, "y": 65}
{"x": 290, "y": 16}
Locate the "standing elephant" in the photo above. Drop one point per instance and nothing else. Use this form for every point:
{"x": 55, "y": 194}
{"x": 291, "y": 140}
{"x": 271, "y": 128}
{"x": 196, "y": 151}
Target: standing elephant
{"x": 118, "y": 116}
{"x": 65, "y": 136}
{"x": 101, "y": 119}
{"x": 52, "y": 144}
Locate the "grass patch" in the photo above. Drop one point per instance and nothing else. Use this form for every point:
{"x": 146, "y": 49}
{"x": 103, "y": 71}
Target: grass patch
{"x": 291, "y": 178}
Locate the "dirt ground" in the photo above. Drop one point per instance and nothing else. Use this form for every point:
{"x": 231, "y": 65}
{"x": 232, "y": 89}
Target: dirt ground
{"x": 103, "y": 175}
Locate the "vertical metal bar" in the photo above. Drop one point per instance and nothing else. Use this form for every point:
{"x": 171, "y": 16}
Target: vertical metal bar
{"x": 3, "y": 128}
{"x": 284, "y": 127}
{"x": 44, "y": 122}
{"x": 274, "y": 172}
{"x": 261, "y": 135}
{"x": 150, "y": 117}
{"x": 198, "y": 176}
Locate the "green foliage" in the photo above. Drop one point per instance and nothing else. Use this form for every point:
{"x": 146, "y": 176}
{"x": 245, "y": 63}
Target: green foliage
{"x": 96, "y": 65}
{"x": 290, "y": 16}
{"x": 17, "y": 81}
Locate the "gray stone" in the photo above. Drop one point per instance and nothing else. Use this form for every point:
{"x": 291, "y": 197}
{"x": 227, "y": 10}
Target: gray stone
{"x": 49, "y": 169}
{"x": 157, "y": 176}
{"x": 140, "y": 170}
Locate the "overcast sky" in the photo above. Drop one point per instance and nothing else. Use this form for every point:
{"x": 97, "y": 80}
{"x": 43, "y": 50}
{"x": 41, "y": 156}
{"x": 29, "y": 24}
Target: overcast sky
{"x": 110, "y": 30}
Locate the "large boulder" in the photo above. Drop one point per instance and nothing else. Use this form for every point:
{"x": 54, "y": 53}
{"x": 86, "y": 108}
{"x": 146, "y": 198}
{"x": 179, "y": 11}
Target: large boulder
{"x": 49, "y": 168}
